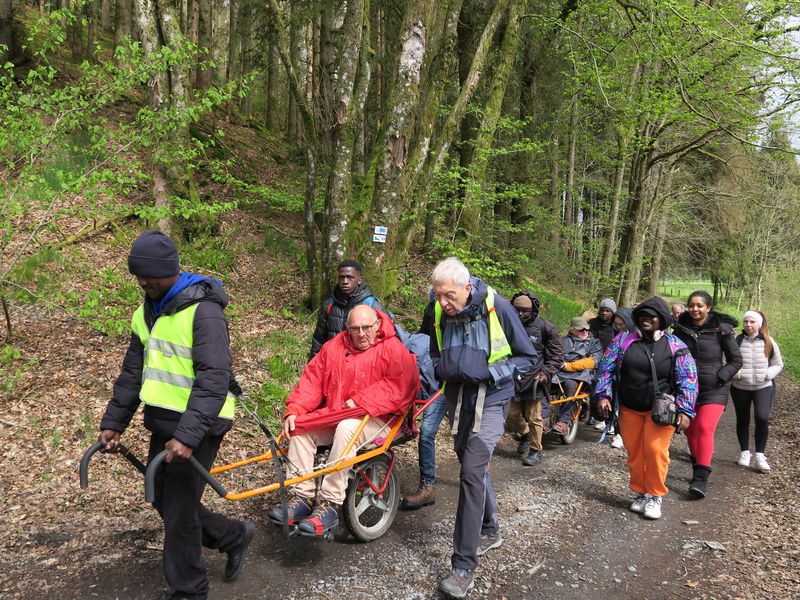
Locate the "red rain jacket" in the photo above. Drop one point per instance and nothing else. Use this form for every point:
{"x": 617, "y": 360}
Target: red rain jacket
{"x": 383, "y": 381}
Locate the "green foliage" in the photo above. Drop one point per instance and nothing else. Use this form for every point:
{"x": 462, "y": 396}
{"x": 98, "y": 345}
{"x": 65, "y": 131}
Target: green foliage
{"x": 13, "y": 366}
{"x": 209, "y": 255}
{"x": 268, "y": 401}
{"x": 556, "y": 308}
{"x": 108, "y": 308}
{"x": 781, "y": 306}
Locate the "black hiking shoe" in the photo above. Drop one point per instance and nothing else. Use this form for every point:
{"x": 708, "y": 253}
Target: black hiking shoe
{"x": 534, "y": 458}
{"x": 524, "y": 444}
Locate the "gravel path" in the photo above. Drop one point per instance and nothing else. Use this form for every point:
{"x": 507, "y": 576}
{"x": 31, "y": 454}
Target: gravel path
{"x": 567, "y": 530}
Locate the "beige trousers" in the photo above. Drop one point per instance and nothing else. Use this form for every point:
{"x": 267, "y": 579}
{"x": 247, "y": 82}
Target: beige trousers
{"x": 302, "y": 449}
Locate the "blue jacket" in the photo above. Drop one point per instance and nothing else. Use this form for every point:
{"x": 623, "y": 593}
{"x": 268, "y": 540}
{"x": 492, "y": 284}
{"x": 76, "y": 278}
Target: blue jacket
{"x": 465, "y": 363}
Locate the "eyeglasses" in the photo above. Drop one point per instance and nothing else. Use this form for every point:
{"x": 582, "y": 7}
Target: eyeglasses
{"x": 363, "y": 329}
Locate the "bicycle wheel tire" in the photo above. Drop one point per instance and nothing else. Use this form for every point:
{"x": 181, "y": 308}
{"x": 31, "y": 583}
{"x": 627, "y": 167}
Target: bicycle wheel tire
{"x": 367, "y": 515}
{"x": 572, "y": 433}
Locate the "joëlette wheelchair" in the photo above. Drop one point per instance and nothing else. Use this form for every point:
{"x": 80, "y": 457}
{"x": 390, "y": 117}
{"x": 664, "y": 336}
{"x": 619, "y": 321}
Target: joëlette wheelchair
{"x": 373, "y": 493}
{"x": 556, "y": 396}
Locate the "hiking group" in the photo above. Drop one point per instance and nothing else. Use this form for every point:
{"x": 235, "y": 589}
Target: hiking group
{"x": 651, "y": 372}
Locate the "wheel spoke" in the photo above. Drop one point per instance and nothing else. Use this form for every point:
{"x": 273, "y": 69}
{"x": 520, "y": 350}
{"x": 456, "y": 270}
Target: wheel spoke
{"x": 381, "y": 504}
{"x": 363, "y": 505}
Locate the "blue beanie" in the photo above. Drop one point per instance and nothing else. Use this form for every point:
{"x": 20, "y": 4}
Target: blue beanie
{"x": 153, "y": 254}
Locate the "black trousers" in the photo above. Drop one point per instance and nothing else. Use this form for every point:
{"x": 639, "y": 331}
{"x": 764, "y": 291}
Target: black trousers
{"x": 187, "y": 524}
{"x": 761, "y": 401}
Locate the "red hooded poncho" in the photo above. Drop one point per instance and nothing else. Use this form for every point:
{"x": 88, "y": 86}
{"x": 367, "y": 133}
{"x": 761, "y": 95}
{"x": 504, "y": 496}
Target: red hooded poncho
{"x": 383, "y": 381}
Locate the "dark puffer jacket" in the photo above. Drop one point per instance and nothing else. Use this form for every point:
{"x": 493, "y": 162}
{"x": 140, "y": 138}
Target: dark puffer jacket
{"x": 464, "y": 363}
{"x": 545, "y": 339}
{"x": 332, "y": 316}
{"x": 709, "y": 344}
{"x": 602, "y": 331}
{"x": 212, "y": 364}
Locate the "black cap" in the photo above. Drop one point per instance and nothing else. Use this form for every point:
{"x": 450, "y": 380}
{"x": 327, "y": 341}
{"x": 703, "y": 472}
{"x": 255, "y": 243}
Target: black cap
{"x": 648, "y": 311}
{"x": 153, "y": 254}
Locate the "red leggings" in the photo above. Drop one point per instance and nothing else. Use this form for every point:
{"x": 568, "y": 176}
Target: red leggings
{"x": 700, "y": 434}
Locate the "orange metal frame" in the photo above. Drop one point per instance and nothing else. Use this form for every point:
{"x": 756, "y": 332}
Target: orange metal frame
{"x": 417, "y": 407}
{"x": 576, "y": 398}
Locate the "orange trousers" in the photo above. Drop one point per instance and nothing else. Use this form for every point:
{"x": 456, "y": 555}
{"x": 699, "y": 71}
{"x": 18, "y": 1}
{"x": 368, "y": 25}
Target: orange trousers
{"x": 647, "y": 445}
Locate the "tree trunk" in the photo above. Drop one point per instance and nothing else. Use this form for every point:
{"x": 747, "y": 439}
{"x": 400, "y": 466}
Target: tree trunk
{"x": 122, "y": 21}
{"x": 555, "y": 195}
{"x": 613, "y": 212}
{"x": 159, "y": 23}
{"x": 234, "y": 42}
{"x": 471, "y": 216}
{"x": 246, "y": 54}
{"x": 7, "y": 31}
{"x": 92, "y": 12}
{"x": 349, "y": 95}
{"x": 205, "y": 44}
{"x": 193, "y": 21}
{"x": 310, "y": 231}
{"x": 75, "y": 33}
{"x": 658, "y": 252}
{"x": 405, "y": 162}
{"x": 105, "y": 15}
{"x": 570, "y": 205}
{"x": 272, "y": 83}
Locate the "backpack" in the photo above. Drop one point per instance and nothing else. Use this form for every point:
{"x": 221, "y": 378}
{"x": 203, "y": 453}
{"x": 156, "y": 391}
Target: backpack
{"x": 420, "y": 346}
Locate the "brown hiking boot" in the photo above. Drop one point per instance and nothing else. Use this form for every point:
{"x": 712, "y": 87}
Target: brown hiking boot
{"x": 425, "y": 495}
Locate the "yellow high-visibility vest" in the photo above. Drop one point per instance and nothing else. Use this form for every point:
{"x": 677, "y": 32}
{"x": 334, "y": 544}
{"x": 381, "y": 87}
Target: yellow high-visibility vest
{"x": 168, "y": 370}
{"x": 499, "y": 347}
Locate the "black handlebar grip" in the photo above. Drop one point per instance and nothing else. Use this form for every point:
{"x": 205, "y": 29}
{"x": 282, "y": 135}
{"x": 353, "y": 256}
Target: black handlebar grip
{"x": 83, "y": 469}
{"x": 152, "y": 467}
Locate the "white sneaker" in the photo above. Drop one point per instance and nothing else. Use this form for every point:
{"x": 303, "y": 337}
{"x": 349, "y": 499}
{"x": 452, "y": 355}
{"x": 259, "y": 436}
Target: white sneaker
{"x": 616, "y": 442}
{"x": 744, "y": 458}
{"x": 761, "y": 462}
{"x": 639, "y": 503}
{"x": 652, "y": 510}
{"x": 600, "y": 425}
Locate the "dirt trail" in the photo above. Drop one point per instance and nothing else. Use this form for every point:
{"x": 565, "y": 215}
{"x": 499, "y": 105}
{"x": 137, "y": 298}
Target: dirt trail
{"x": 567, "y": 532}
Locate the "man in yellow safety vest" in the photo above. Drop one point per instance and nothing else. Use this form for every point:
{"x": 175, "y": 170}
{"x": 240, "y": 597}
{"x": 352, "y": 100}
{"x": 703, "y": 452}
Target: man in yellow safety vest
{"x": 479, "y": 348}
{"x": 178, "y": 364}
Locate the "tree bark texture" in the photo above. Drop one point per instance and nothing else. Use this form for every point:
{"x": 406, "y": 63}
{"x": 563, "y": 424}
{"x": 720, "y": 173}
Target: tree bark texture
{"x": 159, "y": 23}
{"x": 475, "y": 192}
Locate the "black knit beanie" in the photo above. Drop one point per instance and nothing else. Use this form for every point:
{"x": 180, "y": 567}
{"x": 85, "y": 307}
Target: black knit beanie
{"x": 153, "y": 254}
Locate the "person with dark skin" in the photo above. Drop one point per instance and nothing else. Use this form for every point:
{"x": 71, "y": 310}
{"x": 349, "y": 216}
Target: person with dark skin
{"x": 525, "y": 412}
{"x": 632, "y": 368}
{"x": 711, "y": 339}
{"x": 350, "y": 291}
{"x": 602, "y": 326}
{"x": 188, "y": 408}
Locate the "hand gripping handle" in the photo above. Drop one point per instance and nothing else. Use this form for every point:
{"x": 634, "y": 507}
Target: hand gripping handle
{"x": 158, "y": 460}
{"x": 83, "y": 469}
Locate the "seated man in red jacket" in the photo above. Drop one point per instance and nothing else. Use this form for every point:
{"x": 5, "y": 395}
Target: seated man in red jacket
{"x": 365, "y": 367}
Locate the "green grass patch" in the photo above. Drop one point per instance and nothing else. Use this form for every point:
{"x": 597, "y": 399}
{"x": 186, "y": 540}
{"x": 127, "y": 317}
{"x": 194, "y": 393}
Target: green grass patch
{"x": 557, "y": 309}
{"x": 679, "y": 289}
{"x": 209, "y": 255}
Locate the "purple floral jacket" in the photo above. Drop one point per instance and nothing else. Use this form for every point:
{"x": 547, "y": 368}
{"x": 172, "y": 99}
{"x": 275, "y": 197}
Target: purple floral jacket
{"x": 685, "y": 370}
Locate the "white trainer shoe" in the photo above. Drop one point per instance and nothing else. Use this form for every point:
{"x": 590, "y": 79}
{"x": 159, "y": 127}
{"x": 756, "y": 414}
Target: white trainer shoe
{"x": 616, "y": 442}
{"x": 639, "y": 503}
{"x": 600, "y": 425}
{"x": 744, "y": 458}
{"x": 652, "y": 510}
{"x": 761, "y": 462}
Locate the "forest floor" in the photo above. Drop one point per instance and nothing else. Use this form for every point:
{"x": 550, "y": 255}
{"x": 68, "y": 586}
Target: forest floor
{"x": 567, "y": 529}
